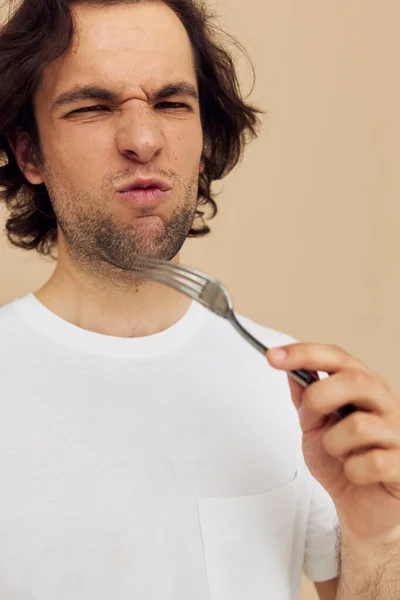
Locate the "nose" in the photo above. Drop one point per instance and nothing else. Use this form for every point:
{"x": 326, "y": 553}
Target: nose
{"x": 139, "y": 136}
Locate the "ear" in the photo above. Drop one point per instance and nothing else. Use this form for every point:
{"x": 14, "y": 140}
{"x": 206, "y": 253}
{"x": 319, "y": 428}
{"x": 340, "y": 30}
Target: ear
{"x": 202, "y": 167}
{"x": 21, "y": 145}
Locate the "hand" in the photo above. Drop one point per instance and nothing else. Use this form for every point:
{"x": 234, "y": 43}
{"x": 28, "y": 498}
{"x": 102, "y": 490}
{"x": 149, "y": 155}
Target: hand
{"x": 357, "y": 459}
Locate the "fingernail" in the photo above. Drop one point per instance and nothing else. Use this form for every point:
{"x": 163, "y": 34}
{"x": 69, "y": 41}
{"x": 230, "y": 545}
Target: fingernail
{"x": 278, "y": 354}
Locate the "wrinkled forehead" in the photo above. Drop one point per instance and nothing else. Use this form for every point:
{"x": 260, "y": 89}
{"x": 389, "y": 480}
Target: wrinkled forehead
{"x": 131, "y": 47}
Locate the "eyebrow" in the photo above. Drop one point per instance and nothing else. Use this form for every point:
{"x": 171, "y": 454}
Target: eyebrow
{"x": 90, "y": 92}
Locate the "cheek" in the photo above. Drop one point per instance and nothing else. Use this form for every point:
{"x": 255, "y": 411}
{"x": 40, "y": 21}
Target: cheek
{"x": 78, "y": 154}
{"x": 87, "y": 144}
{"x": 188, "y": 148}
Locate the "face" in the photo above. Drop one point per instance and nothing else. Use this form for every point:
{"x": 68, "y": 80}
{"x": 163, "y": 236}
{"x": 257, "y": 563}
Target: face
{"x": 121, "y": 135}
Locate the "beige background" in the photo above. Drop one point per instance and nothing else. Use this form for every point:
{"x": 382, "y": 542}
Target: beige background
{"x": 307, "y": 237}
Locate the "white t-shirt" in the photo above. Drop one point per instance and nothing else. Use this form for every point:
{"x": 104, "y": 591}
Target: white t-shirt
{"x": 167, "y": 467}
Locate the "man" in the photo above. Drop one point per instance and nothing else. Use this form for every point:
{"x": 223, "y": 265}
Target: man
{"x": 146, "y": 450}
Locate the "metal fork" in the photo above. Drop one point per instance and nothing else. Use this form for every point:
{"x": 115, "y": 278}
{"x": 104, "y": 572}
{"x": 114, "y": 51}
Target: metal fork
{"x": 212, "y": 294}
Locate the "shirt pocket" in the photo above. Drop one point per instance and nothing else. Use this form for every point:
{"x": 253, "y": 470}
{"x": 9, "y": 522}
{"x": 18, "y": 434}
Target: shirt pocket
{"x": 248, "y": 543}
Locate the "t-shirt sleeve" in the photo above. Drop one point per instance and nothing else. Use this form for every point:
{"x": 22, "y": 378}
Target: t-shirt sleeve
{"x": 321, "y": 559}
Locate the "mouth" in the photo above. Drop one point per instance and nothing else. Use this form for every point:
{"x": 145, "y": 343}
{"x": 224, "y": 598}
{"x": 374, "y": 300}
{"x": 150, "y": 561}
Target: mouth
{"x": 146, "y": 184}
{"x": 145, "y": 193}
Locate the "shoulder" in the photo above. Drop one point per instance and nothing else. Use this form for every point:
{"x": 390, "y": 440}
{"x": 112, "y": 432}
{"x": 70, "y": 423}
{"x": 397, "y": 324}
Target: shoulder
{"x": 267, "y": 335}
{"x": 225, "y": 340}
{"x": 8, "y": 312}
{"x": 10, "y": 319}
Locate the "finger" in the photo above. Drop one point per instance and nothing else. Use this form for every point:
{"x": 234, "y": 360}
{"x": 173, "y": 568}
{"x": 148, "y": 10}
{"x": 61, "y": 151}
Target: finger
{"x": 351, "y": 386}
{"x": 314, "y": 357}
{"x": 308, "y": 420}
{"x": 374, "y": 466}
{"x": 360, "y": 431}
{"x": 296, "y": 391}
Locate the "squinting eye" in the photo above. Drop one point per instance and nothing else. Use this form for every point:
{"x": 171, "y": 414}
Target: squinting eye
{"x": 88, "y": 109}
{"x": 172, "y": 105}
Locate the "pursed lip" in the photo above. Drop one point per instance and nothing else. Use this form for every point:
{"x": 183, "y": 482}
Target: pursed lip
{"x": 143, "y": 183}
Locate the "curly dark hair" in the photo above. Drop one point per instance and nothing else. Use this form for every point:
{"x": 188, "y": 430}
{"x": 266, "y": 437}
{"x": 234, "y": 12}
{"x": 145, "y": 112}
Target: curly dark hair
{"x": 40, "y": 31}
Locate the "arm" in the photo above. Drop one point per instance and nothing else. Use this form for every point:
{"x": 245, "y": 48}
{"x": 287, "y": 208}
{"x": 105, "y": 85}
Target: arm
{"x": 356, "y": 460}
{"x": 327, "y": 590}
{"x": 369, "y": 571}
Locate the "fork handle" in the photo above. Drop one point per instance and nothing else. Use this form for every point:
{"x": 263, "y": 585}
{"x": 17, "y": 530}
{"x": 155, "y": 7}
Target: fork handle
{"x": 301, "y": 376}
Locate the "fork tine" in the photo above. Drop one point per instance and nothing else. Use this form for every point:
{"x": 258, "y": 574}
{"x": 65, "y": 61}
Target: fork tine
{"x": 180, "y": 278}
{"x": 172, "y": 282}
{"x": 184, "y": 276}
{"x": 181, "y": 269}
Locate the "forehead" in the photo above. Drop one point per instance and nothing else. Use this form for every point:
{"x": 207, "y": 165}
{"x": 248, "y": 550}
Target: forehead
{"x": 130, "y": 46}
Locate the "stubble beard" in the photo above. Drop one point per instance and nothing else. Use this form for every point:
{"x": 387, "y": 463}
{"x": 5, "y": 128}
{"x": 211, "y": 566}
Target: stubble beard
{"x": 107, "y": 250}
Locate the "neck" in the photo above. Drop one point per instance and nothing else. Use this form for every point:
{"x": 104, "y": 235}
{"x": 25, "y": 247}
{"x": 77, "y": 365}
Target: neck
{"x": 124, "y": 308}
